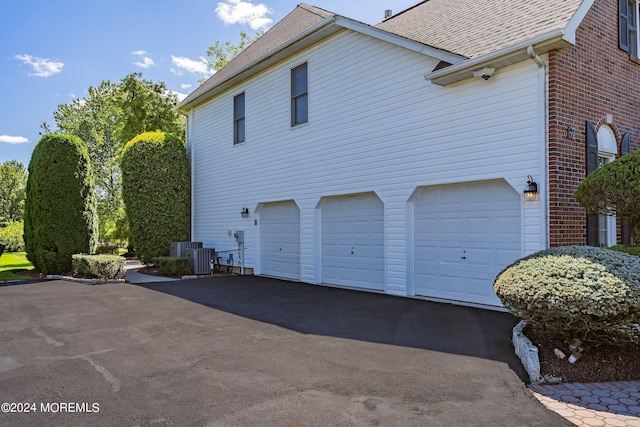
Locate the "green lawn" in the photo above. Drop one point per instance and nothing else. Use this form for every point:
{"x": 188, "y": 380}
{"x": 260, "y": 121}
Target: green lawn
{"x": 10, "y": 263}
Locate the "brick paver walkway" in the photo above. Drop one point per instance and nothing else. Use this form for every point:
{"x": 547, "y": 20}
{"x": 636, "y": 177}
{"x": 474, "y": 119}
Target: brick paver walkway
{"x": 614, "y": 404}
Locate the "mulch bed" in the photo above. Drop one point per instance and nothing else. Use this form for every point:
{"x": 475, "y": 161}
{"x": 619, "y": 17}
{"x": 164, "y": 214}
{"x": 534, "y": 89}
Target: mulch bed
{"x": 599, "y": 364}
{"x": 154, "y": 271}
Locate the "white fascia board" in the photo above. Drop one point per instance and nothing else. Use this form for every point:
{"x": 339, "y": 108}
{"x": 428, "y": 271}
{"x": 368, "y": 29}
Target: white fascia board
{"x": 555, "y": 39}
{"x": 404, "y": 42}
{"x": 576, "y": 20}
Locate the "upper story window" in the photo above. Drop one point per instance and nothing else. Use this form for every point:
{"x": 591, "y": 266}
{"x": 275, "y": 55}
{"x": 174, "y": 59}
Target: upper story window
{"x": 238, "y": 119}
{"x": 628, "y": 26}
{"x": 299, "y": 95}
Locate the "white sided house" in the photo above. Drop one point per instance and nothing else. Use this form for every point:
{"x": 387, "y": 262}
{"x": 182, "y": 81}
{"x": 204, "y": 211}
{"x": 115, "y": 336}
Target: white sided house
{"x": 363, "y": 164}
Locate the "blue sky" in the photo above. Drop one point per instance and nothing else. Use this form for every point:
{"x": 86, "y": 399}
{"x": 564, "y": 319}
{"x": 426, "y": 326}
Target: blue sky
{"x": 51, "y": 51}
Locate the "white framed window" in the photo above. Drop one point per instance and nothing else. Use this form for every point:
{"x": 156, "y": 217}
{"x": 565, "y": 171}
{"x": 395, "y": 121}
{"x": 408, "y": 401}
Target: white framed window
{"x": 299, "y": 95}
{"x": 628, "y": 34}
{"x": 607, "y": 150}
{"x": 238, "y": 119}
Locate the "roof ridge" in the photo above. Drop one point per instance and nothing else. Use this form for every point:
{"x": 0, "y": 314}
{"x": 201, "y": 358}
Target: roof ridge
{"x": 402, "y": 11}
{"x": 309, "y": 8}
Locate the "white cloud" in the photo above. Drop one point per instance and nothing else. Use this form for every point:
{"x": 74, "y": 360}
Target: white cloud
{"x": 246, "y": 13}
{"x": 186, "y": 64}
{"x": 185, "y": 85}
{"x": 146, "y": 61}
{"x": 41, "y": 67}
{"x": 13, "y": 139}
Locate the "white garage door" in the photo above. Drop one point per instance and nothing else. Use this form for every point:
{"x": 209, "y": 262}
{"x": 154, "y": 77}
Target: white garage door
{"x": 464, "y": 236}
{"x": 353, "y": 241}
{"x": 280, "y": 240}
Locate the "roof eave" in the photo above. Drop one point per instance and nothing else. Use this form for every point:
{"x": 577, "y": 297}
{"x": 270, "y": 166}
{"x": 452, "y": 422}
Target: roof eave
{"x": 544, "y": 43}
{"x": 312, "y": 35}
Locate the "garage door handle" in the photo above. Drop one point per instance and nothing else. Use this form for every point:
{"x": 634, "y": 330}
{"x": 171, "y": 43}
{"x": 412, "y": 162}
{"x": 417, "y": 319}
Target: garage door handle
{"x": 463, "y": 257}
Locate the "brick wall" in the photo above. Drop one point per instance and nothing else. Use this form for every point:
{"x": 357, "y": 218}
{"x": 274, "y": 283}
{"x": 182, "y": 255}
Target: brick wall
{"x": 587, "y": 81}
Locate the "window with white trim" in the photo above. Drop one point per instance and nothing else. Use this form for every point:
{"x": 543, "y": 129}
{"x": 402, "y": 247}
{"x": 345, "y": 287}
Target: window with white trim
{"x": 607, "y": 149}
{"x": 299, "y": 95}
{"x": 628, "y": 26}
{"x": 238, "y": 119}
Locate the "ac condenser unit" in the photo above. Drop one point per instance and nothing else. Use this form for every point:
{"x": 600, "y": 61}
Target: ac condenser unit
{"x": 202, "y": 258}
{"x": 179, "y": 249}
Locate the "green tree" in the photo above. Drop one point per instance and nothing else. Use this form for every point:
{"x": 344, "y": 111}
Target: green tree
{"x": 614, "y": 189}
{"x": 106, "y": 119}
{"x": 219, "y": 54}
{"x": 13, "y": 182}
{"x": 156, "y": 192}
{"x": 60, "y": 211}
{"x": 147, "y": 106}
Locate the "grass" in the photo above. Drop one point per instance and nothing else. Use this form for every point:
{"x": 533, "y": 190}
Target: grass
{"x": 10, "y": 263}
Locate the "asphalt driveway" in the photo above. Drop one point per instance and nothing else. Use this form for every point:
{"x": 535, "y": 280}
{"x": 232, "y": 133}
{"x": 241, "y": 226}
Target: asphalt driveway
{"x": 245, "y": 351}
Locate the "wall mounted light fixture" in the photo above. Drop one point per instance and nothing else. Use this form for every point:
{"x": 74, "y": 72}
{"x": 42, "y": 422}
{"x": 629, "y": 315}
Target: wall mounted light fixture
{"x": 571, "y": 133}
{"x": 531, "y": 190}
{"x": 244, "y": 212}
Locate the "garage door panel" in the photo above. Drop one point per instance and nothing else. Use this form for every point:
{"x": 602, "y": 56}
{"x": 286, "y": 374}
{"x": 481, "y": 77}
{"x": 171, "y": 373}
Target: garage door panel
{"x": 352, "y": 237}
{"x": 461, "y": 245}
{"x": 280, "y": 240}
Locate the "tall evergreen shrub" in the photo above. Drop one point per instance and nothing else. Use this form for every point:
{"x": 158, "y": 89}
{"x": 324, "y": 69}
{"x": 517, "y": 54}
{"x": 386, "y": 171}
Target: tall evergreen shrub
{"x": 60, "y": 210}
{"x": 156, "y": 191}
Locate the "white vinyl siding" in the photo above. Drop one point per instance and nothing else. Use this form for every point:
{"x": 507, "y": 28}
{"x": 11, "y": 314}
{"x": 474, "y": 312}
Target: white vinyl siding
{"x": 377, "y": 126}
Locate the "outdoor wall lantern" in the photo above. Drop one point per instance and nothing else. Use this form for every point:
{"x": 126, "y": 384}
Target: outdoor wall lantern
{"x": 244, "y": 212}
{"x": 531, "y": 190}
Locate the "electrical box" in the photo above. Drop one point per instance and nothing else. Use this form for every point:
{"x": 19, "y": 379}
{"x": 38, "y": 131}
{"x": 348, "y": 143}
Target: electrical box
{"x": 239, "y": 235}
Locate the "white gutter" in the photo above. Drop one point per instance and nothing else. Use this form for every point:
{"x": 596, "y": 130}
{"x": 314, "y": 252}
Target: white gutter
{"x": 555, "y": 39}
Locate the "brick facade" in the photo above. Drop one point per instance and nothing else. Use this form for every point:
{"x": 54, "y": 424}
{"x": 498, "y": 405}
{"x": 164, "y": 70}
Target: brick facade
{"x": 586, "y": 82}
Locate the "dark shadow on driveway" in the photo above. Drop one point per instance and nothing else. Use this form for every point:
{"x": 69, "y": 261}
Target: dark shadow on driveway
{"x": 363, "y": 316}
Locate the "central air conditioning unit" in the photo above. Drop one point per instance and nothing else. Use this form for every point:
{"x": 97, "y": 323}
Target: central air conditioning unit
{"x": 202, "y": 259}
{"x": 179, "y": 249}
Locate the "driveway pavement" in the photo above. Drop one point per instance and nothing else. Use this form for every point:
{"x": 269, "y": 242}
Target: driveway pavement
{"x": 245, "y": 351}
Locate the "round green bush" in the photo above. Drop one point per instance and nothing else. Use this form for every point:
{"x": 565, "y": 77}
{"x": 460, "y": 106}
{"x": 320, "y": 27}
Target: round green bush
{"x": 576, "y": 292}
{"x": 60, "y": 210}
{"x": 156, "y": 191}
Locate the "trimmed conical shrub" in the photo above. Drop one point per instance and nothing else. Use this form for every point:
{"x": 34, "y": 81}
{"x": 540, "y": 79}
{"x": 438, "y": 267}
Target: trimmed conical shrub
{"x": 156, "y": 191}
{"x": 60, "y": 216}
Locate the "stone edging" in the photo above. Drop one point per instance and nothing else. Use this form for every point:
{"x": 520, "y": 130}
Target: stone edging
{"x": 527, "y": 352}
{"x": 85, "y": 281}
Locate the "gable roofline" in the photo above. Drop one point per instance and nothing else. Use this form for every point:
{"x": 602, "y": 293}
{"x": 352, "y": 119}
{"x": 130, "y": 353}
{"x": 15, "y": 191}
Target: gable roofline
{"x": 553, "y": 40}
{"x": 324, "y": 29}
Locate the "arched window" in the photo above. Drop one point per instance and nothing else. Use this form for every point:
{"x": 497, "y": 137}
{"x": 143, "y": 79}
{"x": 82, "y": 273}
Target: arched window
{"x": 607, "y": 151}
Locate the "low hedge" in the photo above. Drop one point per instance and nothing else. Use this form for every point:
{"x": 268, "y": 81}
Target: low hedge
{"x": 99, "y": 266}
{"x": 107, "y": 250}
{"x": 576, "y": 292}
{"x": 174, "y": 266}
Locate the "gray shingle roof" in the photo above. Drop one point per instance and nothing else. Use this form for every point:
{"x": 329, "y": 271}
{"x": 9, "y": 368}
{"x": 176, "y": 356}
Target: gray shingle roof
{"x": 468, "y": 28}
{"x": 472, "y": 28}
